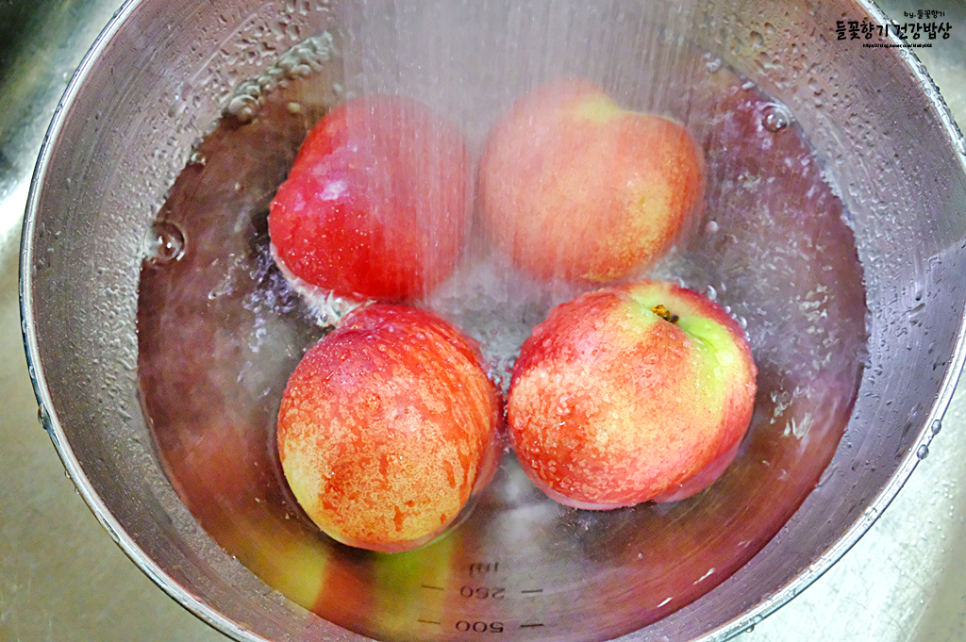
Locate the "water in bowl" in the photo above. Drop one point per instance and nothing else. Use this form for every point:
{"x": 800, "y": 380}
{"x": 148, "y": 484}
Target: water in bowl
{"x": 220, "y": 329}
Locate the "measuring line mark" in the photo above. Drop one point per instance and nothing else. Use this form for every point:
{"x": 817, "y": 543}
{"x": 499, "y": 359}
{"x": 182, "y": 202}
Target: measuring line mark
{"x": 429, "y": 622}
{"x": 429, "y": 586}
{"x": 532, "y": 591}
{"x": 529, "y": 626}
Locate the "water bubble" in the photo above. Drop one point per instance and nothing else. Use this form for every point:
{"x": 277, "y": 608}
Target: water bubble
{"x": 775, "y": 117}
{"x": 711, "y": 227}
{"x": 243, "y": 106}
{"x": 922, "y": 452}
{"x": 164, "y": 243}
{"x": 757, "y": 40}
{"x": 710, "y": 292}
{"x": 936, "y": 427}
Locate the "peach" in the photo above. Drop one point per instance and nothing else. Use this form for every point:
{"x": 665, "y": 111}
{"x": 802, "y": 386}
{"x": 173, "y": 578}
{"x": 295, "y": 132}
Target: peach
{"x": 633, "y": 393}
{"x": 377, "y": 203}
{"x": 574, "y": 187}
{"x": 387, "y": 426}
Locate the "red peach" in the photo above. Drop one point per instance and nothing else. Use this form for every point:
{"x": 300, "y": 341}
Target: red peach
{"x": 377, "y": 202}
{"x": 625, "y": 394}
{"x": 574, "y": 187}
{"x": 386, "y": 428}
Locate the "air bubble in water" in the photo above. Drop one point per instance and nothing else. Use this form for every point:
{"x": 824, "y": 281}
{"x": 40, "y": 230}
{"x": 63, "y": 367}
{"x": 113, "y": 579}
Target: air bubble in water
{"x": 775, "y": 117}
{"x": 307, "y": 57}
{"x": 164, "y": 243}
{"x": 922, "y": 452}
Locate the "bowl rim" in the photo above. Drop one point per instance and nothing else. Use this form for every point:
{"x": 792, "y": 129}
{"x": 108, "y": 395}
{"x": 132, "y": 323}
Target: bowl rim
{"x": 46, "y": 411}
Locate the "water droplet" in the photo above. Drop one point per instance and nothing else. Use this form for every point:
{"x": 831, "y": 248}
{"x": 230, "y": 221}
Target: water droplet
{"x": 775, "y": 117}
{"x": 711, "y": 227}
{"x": 922, "y": 452}
{"x": 936, "y": 427}
{"x": 757, "y": 40}
{"x": 177, "y": 107}
{"x": 711, "y": 293}
{"x": 43, "y": 417}
{"x": 164, "y": 243}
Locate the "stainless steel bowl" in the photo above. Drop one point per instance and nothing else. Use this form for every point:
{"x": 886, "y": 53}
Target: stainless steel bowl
{"x": 148, "y": 97}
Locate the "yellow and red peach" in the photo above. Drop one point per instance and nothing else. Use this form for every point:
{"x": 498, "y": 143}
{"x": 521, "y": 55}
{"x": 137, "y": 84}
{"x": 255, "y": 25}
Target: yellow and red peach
{"x": 386, "y": 428}
{"x": 574, "y": 187}
{"x": 377, "y": 202}
{"x": 638, "y": 392}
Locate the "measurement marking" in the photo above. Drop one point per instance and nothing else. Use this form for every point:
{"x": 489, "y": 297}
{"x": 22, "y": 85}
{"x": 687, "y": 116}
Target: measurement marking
{"x": 435, "y": 588}
{"x": 482, "y": 568}
{"x": 429, "y": 621}
{"x": 532, "y": 591}
{"x": 529, "y": 626}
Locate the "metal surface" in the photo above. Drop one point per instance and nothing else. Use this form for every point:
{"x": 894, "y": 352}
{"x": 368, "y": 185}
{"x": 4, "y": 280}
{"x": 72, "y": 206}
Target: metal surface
{"x": 61, "y": 576}
{"x": 897, "y": 535}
